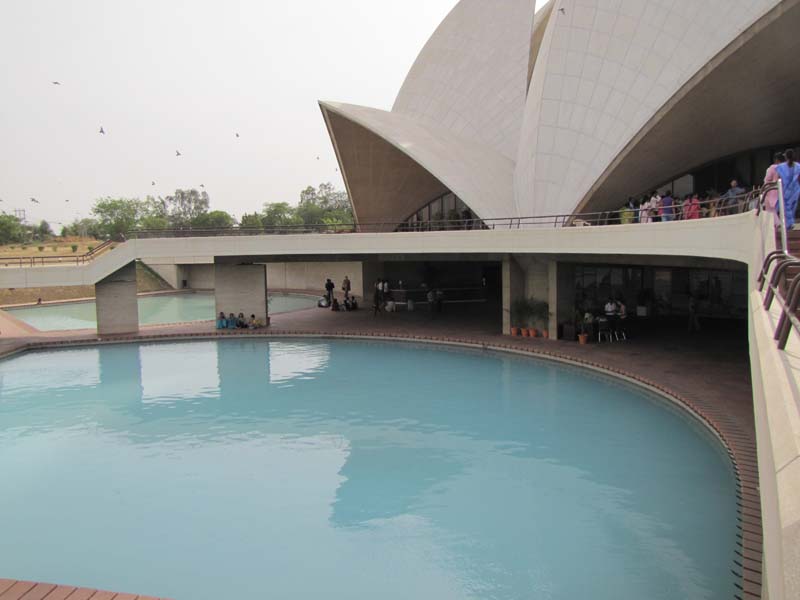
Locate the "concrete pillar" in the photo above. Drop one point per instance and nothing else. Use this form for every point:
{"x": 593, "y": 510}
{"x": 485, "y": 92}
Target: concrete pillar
{"x": 552, "y": 299}
{"x": 241, "y": 289}
{"x": 513, "y": 289}
{"x": 370, "y": 271}
{"x": 115, "y": 302}
{"x": 563, "y": 305}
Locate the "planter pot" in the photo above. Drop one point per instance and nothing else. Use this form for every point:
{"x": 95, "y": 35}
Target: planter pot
{"x": 583, "y": 338}
{"x": 525, "y": 332}
{"x": 515, "y": 331}
{"x": 545, "y": 334}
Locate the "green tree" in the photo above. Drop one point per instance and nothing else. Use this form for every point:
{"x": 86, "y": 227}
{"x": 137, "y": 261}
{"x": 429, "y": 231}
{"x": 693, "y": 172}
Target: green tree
{"x": 184, "y": 206}
{"x": 324, "y": 204}
{"x": 11, "y": 229}
{"x": 279, "y": 214}
{"x": 44, "y": 230}
{"x": 253, "y": 220}
{"x": 115, "y": 216}
{"x": 216, "y": 219}
{"x": 154, "y": 214}
{"x": 82, "y": 228}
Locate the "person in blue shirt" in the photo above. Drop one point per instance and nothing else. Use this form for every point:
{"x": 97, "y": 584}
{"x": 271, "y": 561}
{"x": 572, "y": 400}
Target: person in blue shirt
{"x": 667, "y": 207}
{"x": 222, "y": 322}
{"x": 789, "y": 172}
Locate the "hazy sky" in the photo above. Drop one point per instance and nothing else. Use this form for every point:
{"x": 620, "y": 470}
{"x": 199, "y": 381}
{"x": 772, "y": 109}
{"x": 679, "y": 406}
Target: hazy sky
{"x": 167, "y": 75}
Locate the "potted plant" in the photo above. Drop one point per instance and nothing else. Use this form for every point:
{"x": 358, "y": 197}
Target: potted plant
{"x": 582, "y": 326}
{"x": 520, "y": 314}
{"x": 539, "y": 315}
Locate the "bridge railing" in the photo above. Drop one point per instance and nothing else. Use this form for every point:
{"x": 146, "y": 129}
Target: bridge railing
{"x": 56, "y": 259}
{"x": 707, "y": 209}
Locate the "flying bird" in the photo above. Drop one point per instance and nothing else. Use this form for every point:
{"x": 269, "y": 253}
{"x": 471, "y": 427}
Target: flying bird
{"x": 237, "y": 134}
{"x": 34, "y": 200}
{"x": 152, "y": 183}
{"x": 202, "y": 186}
{"x": 103, "y": 131}
{"x": 562, "y": 11}
{"x": 66, "y": 200}
{"x": 56, "y": 83}
{"x": 178, "y": 153}
{"x": 318, "y": 158}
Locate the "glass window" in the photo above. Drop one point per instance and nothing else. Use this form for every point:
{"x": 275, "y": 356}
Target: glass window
{"x": 436, "y": 210}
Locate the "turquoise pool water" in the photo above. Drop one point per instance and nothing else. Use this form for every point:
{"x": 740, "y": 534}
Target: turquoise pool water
{"x": 153, "y": 310}
{"x": 353, "y": 470}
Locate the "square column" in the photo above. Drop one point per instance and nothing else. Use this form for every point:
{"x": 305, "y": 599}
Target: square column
{"x": 241, "y": 289}
{"x": 513, "y": 289}
{"x": 116, "y": 303}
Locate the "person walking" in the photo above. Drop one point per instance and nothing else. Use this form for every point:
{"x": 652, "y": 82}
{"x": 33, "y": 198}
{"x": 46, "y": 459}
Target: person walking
{"x": 377, "y": 299}
{"x": 694, "y": 321}
{"x": 789, "y": 172}
{"x": 655, "y": 207}
{"x": 346, "y": 287}
{"x": 644, "y": 210}
{"x": 667, "y": 207}
{"x": 329, "y": 291}
{"x": 771, "y": 176}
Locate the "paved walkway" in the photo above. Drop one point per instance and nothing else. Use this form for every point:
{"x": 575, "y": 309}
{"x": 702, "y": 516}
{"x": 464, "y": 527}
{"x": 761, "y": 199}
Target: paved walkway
{"x": 11, "y": 589}
{"x": 708, "y": 374}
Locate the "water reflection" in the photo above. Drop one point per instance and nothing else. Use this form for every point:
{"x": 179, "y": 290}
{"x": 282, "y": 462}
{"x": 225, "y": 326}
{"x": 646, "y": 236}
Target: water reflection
{"x": 471, "y": 474}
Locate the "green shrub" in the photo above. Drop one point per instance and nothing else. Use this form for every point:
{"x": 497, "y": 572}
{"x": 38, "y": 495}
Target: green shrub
{"x": 74, "y": 247}
{"x": 41, "y": 248}
{"x": 91, "y": 248}
{"x": 55, "y": 248}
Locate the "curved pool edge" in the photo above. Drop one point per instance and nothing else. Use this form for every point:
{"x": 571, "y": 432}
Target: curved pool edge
{"x": 737, "y": 444}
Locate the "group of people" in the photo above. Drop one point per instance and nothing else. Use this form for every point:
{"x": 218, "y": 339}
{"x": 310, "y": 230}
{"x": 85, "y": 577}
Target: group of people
{"x": 238, "y": 322}
{"x": 611, "y": 321}
{"x": 656, "y": 208}
{"x": 381, "y": 296}
{"x": 329, "y": 300}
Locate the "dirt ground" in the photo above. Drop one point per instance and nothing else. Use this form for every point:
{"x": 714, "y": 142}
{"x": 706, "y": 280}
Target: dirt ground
{"x": 55, "y": 247}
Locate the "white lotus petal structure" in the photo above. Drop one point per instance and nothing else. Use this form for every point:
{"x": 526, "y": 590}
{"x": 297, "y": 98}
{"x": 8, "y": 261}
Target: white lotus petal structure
{"x": 572, "y": 108}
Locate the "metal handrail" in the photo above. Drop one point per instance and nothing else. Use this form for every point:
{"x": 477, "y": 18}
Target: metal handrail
{"x": 788, "y": 316}
{"x": 783, "y": 261}
{"x": 719, "y": 207}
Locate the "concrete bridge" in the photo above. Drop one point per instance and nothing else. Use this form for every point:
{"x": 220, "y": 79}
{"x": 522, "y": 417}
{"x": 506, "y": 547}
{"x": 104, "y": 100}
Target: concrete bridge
{"x": 530, "y": 257}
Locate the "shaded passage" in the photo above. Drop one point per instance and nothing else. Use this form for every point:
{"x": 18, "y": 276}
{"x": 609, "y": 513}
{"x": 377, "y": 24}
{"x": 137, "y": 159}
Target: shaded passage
{"x": 352, "y": 469}
{"x": 153, "y": 310}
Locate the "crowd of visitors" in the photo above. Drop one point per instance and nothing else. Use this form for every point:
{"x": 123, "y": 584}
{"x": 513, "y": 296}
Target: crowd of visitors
{"x": 666, "y": 206}
{"x": 383, "y": 297}
{"x": 329, "y": 300}
{"x": 658, "y": 207}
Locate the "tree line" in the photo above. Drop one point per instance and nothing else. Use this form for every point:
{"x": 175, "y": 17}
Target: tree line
{"x": 185, "y": 209}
